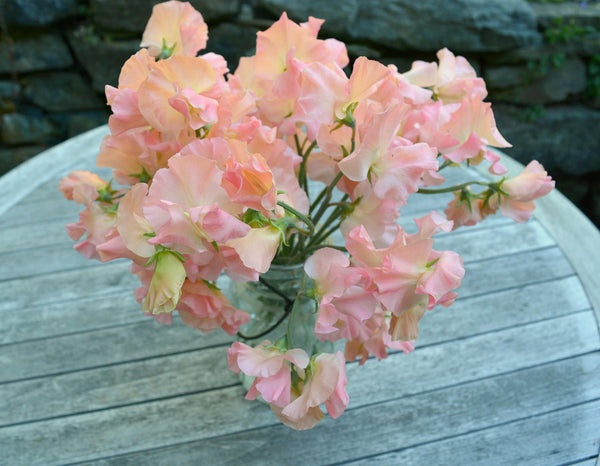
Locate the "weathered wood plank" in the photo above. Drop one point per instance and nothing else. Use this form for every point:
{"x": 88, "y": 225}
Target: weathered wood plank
{"x": 561, "y": 437}
{"x": 42, "y": 235}
{"x": 117, "y": 385}
{"x": 21, "y": 363}
{"x": 59, "y": 160}
{"x": 95, "y": 280}
{"x": 532, "y": 266}
{"x": 361, "y": 431}
{"x": 129, "y": 383}
{"x": 137, "y": 341}
{"x": 28, "y": 263}
{"x": 72, "y": 316}
{"x": 517, "y": 306}
{"x": 502, "y": 240}
{"x": 40, "y": 211}
{"x": 506, "y": 272}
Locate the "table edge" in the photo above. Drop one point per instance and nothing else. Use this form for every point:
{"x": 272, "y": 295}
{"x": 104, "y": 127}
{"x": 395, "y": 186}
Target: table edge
{"x": 574, "y": 233}
{"x": 26, "y": 177}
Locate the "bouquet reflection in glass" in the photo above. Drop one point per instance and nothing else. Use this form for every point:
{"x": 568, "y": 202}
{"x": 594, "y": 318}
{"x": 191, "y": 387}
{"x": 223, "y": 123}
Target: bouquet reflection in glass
{"x": 252, "y": 174}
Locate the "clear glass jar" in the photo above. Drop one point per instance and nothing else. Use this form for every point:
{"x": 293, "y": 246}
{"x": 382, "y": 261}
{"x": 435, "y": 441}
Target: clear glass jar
{"x": 274, "y": 316}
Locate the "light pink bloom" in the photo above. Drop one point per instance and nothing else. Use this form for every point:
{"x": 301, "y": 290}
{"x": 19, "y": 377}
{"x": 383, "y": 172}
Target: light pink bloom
{"x": 206, "y": 308}
{"x": 345, "y": 301}
{"x": 81, "y": 187}
{"x": 99, "y": 226}
{"x": 533, "y": 183}
{"x": 258, "y": 248}
{"x": 463, "y": 213}
{"x": 325, "y": 383}
{"x": 410, "y": 276}
{"x": 176, "y": 25}
{"x": 128, "y": 154}
{"x": 171, "y": 99}
{"x": 123, "y": 100}
{"x": 377, "y": 343}
{"x": 131, "y": 223}
{"x": 249, "y": 181}
{"x": 271, "y": 367}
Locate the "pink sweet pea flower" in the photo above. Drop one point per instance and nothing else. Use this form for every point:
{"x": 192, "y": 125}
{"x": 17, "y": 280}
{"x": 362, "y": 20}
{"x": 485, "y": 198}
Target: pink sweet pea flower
{"x": 123, "y": 100}
{"x": 377, "y": 342}
{"x": 99, "y": 226}
{"x": 176, "y": 26}
{"x": 271, "y": 366}
{"x": 533, "y": 183}
{"x": 325, "y": 382}
{"x": 170, "y": 98}
{"x": 463, "y": 211}
{"x": 206, "y": 308}
{"x": 345, "y": 300}
{"x": 81, "y": 187}
{"x": 131, "y": 223}
{"x": 410, "y": 276}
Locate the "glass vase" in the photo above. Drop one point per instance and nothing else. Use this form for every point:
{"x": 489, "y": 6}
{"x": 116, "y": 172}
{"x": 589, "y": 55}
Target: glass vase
{"x": 276, "y": 311}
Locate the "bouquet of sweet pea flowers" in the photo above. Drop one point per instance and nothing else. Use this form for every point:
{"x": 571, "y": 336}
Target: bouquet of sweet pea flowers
{"x": 217, "y": 173}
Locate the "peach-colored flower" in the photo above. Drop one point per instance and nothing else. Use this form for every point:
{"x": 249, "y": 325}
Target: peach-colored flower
{"x": 325, "y": 382}
{"x": 176, "y": 26}
{"x": 206, "y": 308}
{"x": 170, "y": 98}
{"x": 533, "y": 183}
{"x": 81, "y": 187}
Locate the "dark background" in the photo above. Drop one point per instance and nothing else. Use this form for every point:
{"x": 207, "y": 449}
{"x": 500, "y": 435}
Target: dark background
{"x": 541, "y": 62}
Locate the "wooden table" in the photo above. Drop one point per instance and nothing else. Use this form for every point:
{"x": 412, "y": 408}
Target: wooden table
{"x": 508, "y": 375}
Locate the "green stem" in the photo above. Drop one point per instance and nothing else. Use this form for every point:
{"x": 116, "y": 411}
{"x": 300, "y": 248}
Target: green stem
{"x": 327, "y": 197}
{"x": 451, "y": 189}
{"x": 304, "y": 218}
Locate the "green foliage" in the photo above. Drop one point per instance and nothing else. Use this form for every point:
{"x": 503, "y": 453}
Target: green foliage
{"x": 565, "y": 31}
{"x": 593, "y": 83}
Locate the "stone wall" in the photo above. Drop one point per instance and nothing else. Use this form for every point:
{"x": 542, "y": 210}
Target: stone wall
{"x": 541, "y": 62}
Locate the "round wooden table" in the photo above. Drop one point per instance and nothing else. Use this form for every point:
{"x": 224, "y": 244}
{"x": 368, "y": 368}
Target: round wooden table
{"x": 508, "y": 375}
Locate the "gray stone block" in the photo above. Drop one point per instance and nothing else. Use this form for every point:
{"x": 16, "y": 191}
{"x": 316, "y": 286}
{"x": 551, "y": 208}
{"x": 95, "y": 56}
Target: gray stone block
{"x": 561, "y": 136}
{"x": 102, "y": 60}
{"x": 61, "y": 91}
{"x": 461, "y": 25}
{"x": 232, "y": 41}
{"x": 529, "y": 85}
{"x": 132, "y": 15}
{"x": 337, "y": 15}
{"x": 43, "y": 52}
{"x": 10, "y": 158}
{"x": 548, "y": 14}
{"x": 39, "y": 12}
{"x": 16, "y": 128}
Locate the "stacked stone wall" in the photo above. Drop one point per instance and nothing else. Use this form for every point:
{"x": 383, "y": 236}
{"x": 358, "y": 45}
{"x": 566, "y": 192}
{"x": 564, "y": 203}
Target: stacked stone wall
{"x": 541, "y": 62}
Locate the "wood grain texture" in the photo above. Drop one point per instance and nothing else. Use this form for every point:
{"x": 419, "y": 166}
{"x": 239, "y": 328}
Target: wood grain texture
{"x": 404, "y": 422}
{"x": 576, "y": 235}
{"x": 510, "y": 374}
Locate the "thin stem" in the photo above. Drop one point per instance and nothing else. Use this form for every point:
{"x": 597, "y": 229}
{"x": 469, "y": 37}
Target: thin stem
{"x": 445, "y": 164}
{"x": 321, "y": 246}
{"x": 287, "y": 300}
{"x": 451, "y": 189}
{"x": 304, "y": 218}
{"x": 327, "y": 198}
{"x": 288, "y": 308}
{"x": 323, "y": 235}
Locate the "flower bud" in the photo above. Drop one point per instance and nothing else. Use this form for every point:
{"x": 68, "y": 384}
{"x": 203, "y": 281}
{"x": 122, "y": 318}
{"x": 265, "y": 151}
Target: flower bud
{"x": 165, "y": 288}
